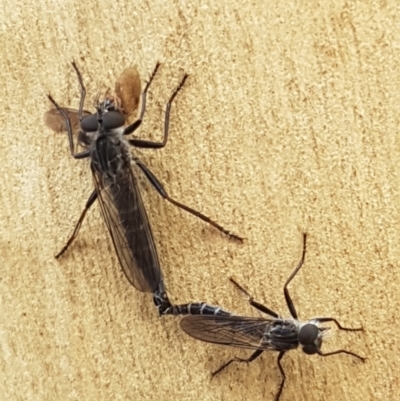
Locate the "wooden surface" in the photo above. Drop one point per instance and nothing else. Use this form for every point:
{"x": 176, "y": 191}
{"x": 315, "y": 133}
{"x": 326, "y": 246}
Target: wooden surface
{"x": 288, "y": 123}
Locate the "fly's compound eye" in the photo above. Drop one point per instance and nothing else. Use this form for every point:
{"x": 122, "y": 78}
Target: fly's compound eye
{"x": 308, "y": 334}
{"x": 113, "y": 119}
{"x": 310, "y": 349}
{"x": 89, "y": 123}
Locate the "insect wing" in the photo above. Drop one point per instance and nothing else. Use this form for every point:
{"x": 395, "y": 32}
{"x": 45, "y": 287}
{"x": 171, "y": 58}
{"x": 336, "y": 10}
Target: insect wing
{"x": 236, "y": 331}
{"x": 55, "y": 121}
{"x": 128, "y": 224}
{"x": 128, "y": 89}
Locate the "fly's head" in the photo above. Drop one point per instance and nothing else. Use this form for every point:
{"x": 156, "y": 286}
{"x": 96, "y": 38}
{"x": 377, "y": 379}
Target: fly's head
{"x": 310, "y": 337}
{"x": 108, "y": 117}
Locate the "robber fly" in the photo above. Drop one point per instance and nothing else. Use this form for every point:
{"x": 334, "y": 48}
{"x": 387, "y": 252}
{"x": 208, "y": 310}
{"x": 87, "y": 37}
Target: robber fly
{"x": 216, "y": 325}
{"x": 102, "y": 135}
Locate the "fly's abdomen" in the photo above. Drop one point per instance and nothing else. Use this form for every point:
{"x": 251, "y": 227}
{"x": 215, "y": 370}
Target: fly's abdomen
{"x": 129, "y": 226}
{"x": 199, "y": 308}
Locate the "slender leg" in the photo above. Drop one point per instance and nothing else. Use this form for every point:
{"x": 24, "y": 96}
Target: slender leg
{"x": 140, "y": 143}
{"x": 278, "y": 395}
{"x": 157, "y": 145}
{"x": 253, "y": 303}
{"x": 338, "y": 325}
{"x": 248, "y": 360}
{"x": 288, "y": 298}
{"x": 89, "y": 203}
{"x": 160, "y": 189}
{"x": 83, "y": 90}
{"x": 134, "y": 126}
{"x": 342, "y": 351}
{"x": 80, "y": 155}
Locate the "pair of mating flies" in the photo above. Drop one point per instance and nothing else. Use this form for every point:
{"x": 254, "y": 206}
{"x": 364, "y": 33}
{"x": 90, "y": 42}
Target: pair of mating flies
{"x": 104, "y": 138}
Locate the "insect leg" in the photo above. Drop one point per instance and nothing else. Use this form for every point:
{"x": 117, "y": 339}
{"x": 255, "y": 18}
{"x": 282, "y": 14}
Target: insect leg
{"x": 248, "y": 360}
{"x": 83, "y": 90}
{"x": 135, "y": 125}
{"x": 80, "y": 155}
{"x": 158, "y": 145}
{"x": 288, "y": 298}
{"x": 338, "y": 325}
{"x": 278, "y": 395}
{"x": 341, "y": 351}
{"x": 86, "y": 153}
{"x": 89, "y": 203}
{"x": 253, "y": 303}
{"x": 160, "y": 189}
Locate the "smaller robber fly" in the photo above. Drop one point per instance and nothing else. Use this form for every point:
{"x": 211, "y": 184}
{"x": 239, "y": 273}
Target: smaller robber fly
{"x": 216, "y": 325}
{"x": 103, "y": 137}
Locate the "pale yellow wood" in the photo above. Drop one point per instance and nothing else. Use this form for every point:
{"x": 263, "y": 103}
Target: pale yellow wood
{"x": 288, "y": 123}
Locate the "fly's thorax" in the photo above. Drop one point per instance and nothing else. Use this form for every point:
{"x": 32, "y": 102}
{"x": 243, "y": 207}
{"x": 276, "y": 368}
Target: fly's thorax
{"x": 110, "y": 153}
{"x": 281, "y": 334}
{"x": 87, "y": 139}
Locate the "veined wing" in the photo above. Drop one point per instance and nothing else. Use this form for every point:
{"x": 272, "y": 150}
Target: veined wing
{"x": 236, "y": 331}
{"x": 54, "y": 120}
{"x": 128, "y": 89}
{"x": 128, "y": 224}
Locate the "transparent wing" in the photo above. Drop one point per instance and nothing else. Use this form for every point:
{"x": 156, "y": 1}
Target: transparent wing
{"x": 236, "y": 331}
{"x": 244, "y": 332}
{"x": 128, "y": 224}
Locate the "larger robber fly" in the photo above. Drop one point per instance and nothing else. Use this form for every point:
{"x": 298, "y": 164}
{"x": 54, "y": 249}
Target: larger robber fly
{"x": 216, "y": 325}
{"x": 103, "y": 137}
